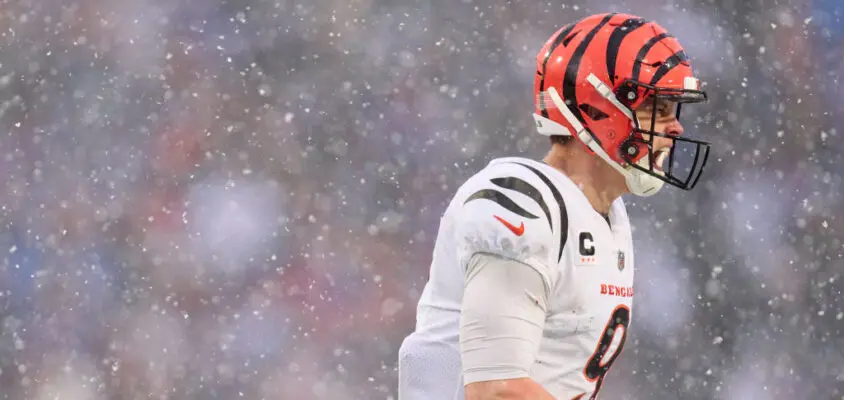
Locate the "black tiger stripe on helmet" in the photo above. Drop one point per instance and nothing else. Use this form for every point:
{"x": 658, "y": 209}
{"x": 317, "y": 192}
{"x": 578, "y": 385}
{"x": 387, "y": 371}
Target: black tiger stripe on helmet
{"x": 562, "y": 37}
{"x": 614, "y": 44}
{"x": 643, "y": 52}
{"x": 569, "y": 84}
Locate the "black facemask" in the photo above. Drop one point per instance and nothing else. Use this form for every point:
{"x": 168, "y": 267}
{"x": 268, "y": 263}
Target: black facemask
{"x": 687, "y": 157}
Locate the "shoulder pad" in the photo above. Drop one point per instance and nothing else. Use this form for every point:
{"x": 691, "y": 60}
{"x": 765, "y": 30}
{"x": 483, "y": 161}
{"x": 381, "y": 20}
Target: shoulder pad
{"x": 508, "y": 210}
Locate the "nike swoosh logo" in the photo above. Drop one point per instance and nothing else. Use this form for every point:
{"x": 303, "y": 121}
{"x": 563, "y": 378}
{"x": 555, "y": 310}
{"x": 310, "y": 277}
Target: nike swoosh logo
{"x": 518, "y": 230}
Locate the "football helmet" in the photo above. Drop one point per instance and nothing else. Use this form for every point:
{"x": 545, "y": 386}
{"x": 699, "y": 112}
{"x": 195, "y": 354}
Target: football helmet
{"x": 593, "y": 74}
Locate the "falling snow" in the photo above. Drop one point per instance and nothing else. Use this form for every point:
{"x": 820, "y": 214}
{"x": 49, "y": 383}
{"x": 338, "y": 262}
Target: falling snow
{"x": 238, "y": 199}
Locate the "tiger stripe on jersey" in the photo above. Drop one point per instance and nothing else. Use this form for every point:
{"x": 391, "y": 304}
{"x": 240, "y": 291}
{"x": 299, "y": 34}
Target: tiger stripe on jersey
{"x": 502, "y": 200}
{"x": 564, "y": 216}
{"x": 526, "y": 189}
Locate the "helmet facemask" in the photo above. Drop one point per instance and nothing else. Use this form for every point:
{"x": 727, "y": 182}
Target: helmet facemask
{"x": 686, "y": 157}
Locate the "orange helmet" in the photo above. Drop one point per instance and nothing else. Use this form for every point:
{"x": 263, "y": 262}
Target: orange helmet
{"x": 592, "y": 74}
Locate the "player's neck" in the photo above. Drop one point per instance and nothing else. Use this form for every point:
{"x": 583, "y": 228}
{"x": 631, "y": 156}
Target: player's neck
{"x": 601, "y": 184}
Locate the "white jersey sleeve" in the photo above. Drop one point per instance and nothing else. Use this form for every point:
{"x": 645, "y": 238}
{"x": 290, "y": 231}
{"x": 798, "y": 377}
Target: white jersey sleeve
{"x": 502, "y": 319}
{"x": 509, "y": 211}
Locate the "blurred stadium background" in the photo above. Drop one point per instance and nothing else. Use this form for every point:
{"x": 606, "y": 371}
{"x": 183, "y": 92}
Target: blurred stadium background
{"x": 231, "y": 199}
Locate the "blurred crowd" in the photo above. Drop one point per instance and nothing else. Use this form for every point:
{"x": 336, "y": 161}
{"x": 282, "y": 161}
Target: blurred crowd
{"x": 238, "y": 198}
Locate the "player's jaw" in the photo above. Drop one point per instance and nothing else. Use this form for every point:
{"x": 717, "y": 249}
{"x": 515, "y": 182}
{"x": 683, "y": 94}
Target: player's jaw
{"x": 660, "y": 155}
{"x": 659, "y": 135}
{"x": 660, "y": 152}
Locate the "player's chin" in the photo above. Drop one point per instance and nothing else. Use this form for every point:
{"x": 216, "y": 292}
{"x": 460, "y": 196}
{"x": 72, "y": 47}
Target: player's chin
{"x": 654, "y": 167}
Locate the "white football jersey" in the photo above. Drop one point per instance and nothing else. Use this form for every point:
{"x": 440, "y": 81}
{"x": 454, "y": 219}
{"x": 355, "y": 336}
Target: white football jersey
{"x": 530, "y": 212}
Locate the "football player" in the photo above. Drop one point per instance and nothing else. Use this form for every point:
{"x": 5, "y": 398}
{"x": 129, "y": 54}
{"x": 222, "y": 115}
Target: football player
{"x": 531, "y": 285}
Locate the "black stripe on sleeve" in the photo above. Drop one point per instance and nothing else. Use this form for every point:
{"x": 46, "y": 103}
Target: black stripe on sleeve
{"x": 564, "y": 216}
{"x": 502, "y": 200}
{"x": 526, "y": 189}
